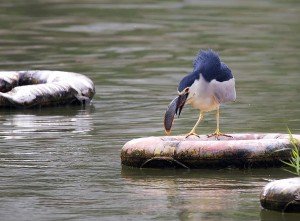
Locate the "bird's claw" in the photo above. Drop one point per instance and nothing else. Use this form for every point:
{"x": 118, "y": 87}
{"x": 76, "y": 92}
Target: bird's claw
{"x": 217, "y": 134}
{"x": 191, "y": 133}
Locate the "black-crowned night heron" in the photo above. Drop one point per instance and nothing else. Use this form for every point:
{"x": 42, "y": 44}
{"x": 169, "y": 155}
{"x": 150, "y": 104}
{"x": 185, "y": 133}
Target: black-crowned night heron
{"x": 210, "y": 84}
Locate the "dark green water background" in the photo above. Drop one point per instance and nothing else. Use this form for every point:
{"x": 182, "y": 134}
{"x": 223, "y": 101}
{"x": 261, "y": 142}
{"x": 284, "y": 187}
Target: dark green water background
{"x": 64, "y": 163}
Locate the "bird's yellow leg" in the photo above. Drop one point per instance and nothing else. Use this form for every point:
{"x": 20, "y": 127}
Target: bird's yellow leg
{"x": 217, "y": 133}
{"x": 193, "y": 131}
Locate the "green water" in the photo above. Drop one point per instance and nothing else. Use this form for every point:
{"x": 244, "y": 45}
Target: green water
{"x": 64, "y": 163}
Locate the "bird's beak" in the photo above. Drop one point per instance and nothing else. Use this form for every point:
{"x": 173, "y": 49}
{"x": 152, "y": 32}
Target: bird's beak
{"x": 180, "y": 103}
{"x": 175, "y": 107}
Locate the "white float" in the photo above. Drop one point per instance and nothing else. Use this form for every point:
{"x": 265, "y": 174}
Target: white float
{"x": 282, "y": 195}
{"x": 37, "y": 88}
{"x": 242, "y": 151}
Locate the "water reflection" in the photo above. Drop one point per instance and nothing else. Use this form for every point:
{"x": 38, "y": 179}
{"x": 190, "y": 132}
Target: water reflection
{"x": 200, "y": 194}
{"x": 30, "y": 124}
{"x": 110, "y": 28}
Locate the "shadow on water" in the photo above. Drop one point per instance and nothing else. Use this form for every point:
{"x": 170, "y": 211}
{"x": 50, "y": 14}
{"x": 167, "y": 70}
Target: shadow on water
{"x": 267, "y": 215}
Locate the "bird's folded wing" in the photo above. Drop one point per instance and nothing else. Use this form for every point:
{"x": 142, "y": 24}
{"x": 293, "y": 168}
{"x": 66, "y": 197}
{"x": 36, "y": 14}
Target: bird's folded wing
{"x": 224, "y": 91}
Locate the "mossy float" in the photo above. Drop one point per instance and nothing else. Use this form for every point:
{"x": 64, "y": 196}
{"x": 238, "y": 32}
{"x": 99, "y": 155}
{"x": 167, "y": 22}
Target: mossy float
{"x": 242, "y": 151}
{"x": 36, "y": 88}
{"x": 282, "y": 195}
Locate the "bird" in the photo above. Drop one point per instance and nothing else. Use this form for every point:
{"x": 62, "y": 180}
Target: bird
{"x": 210, "y": 84}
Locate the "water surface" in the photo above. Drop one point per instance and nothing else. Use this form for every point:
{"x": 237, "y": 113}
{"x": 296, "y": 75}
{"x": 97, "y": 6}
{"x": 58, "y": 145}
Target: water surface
{"x": 64, "y": 163}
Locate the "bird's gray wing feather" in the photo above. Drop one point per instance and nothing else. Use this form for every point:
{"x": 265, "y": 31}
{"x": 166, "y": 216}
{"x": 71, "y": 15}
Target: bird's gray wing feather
{"x": 224, "y": 91}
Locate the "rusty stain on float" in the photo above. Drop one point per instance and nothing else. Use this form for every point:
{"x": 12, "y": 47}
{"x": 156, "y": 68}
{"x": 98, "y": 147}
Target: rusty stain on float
{"x": 282, "y": 195}
{"x": 37, "y": 88}
{"x": 241, "y": 151}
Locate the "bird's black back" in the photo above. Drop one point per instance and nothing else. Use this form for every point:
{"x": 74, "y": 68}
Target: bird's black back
{"x": 208, "y": 64}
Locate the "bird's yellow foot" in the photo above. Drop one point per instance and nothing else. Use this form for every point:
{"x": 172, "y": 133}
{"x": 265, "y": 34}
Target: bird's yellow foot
{"x": 191, "y": 133}
{"x": 217, "y": 134}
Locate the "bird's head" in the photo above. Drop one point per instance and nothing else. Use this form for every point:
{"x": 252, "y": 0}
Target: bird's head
{"x": 177, "y": 104}
{"x": 184, "y": 91}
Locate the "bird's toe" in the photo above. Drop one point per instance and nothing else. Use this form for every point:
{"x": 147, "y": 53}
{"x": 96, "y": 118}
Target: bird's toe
{"x": 192, "y": 133}
{"x": 218, "y": 134}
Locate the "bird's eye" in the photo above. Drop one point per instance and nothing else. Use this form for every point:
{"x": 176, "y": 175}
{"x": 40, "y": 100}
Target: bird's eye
{"x": 186, "y": 90}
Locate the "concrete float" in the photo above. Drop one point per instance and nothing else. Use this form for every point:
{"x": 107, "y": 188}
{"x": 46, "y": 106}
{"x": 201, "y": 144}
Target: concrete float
{"x": 240, "y": 151}
{"x": 37, "y": 88}
{"x": 282, "y": 195}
